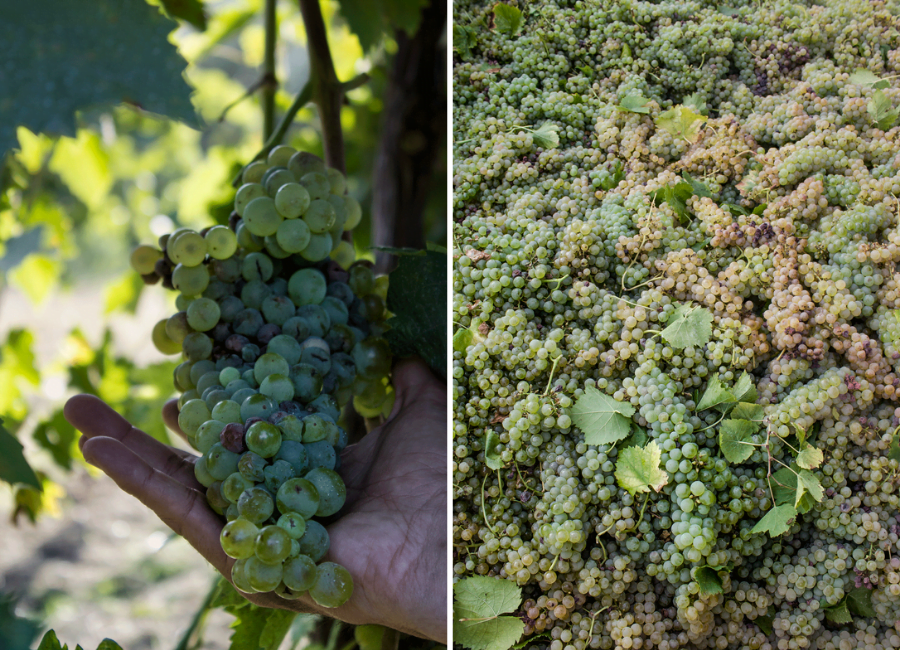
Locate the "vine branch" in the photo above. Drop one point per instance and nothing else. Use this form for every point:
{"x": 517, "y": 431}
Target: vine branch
{"x": 271, "y": 83}
{"x": 328, "y": 92}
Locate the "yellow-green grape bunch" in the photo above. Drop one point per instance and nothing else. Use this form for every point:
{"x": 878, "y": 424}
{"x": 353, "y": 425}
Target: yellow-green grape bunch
{"x": 279, "y": 328}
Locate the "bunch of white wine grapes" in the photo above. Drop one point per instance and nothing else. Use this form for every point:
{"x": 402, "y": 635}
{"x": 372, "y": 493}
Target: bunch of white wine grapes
{"x": 279, "y": 329}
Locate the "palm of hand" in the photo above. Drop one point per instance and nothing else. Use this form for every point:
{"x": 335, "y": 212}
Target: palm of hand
{"x": 390, "y": 534}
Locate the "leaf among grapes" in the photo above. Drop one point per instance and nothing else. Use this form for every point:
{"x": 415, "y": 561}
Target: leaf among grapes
{"x": 635, "y": 104}
{"x": 676, "y": 196}
{"x": 637, "y": 469}
{"x": 602, "y": 419}
{"x": 491, "y": 455}
{"x": 681, "y": 122}
{"x": 479, "y": 605}
{"x": 546, "y": 136}
{"x": 709, "y": 580}
{"x": 507, "y": 19}
{"x": 777, "y": 521}
{"x": 695, "y": 102}
{"x": 881, "y": 110}
{"x": 865, "y": 77}
{"x": 839, "y": 614}
{"x": 807, "y": 483}
{"x": 745, "y": 389}
{"x": 859, "y": 602}
{"x": 764, "y": 623}
{"x": 690, "y": 326}
{"x": 810, "y": 457}
{"x": 745, "y": 411}
{"x": 13, "y": 466}
{"x": 734, "y": 440}
{"x": 715, "y": 395}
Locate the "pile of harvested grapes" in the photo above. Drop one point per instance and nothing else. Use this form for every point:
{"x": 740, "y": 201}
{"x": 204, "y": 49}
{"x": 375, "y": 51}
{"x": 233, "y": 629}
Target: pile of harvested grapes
{"x": 279, "y": 328}
{"x": 677, "y": 306}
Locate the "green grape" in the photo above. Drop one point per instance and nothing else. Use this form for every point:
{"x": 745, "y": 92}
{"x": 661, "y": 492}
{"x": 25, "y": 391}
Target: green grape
{"x": 317, "y": 358}
{"x": 368, "y": 637}
{"x": 277, "y": 473}
{"x": 257, "y": 266}
{"x": 317, "y": 184}
{"x": 293, "y": 235}
{"x": 187, "y": 249}
{"x": 221, "y": 242}
{"x": 263, "y": 439}
{"x": 182, "y": 302}
{"x": 190, "y": 280}
{"x": 228, "y": 375}
{"x": 197, "y": 346}
{"x": 321, "y": 454}
{"x": 340, "y": 214}
{"x": 299, "y": 573}
{"x": 235, "y": 485}
{"x": 286, "y": 347}
{"x": 201, "y": 473}
{"x": 269, "y": 364}
{"x": 144, "y": 258}
{"x": 232, "y": 512}
{"x": 303, "y": 163}
{"x": 333, "y": 585}
{"x": 298, "y": 495}
{"x": 256, "y": 406}
{"x": 177, "y": 327}
{"x": 187, "y": 396}
{"x": 242, "y": 395}
{"x": 291, "y": 428}
{"x": 261, "y": 576}
{"x": 182, "y": 376}
{"x": 296, "y": 327}
{"x": 221, "y": 462}
{"x": 293, "y": 524}
{"x": 247, "y": 193}
{"x": 200, "y": 368}
{"x": 215, "y": 499}
{"x": 320, "y": 216}
{"x": 273, "y": 544}
{"x": 362, "y": 280}
{"x": 261, "y": 218}
{"x": 246, "y": 239}
{"x": 344, "y": 254}
{"x": 193, "y": 414}
{"x": 318, "y": 248}
{"x": 307, "y": 287}
{"x": 326, "y": 405}
{"x": 227, "y": 411}
{"x": 238, "y": 538}
{"x": 277, "y": 310}
{"x": 239, "y": 577}
{"x": 254, "y": 293}
{"x": 274, "y": 249}
{"x": 307, "y": 382}
{"x": 280, "y": 156}
{"x": 292, "y": 200}
{"x": 315, "y": 541}
{"x": 208, "y": 435}
{"x": 162, "y": 341}
{"x": 277, "y": 180}
{"x": 278, "y": 387}
{"x": 203, "y": 314}
{"x": 354, "y": 213}
{"x": 256, "y": 505}
{"x": 251, "y": 466}
{"x": 254, "y": 172}
{"x": 331, "y": 489}
{"x": 372, "y": 357}
{"x": 336, "y": 180}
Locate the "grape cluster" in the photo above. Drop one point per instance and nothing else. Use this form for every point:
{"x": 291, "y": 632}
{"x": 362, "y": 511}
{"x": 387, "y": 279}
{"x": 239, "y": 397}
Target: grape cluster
{"x": 279, "y": 328}
{"x": 780, "y": 218}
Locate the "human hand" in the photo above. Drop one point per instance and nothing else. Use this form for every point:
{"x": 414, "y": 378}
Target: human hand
{"x": 390, "y": 535}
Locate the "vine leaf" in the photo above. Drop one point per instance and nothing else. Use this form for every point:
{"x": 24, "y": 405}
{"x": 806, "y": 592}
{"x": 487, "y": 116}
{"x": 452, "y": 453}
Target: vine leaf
{"x": 676, "y": 196}
{"x": 638, "y": 438}
{"x": 478, "y": 621}
{"x": 637, "y": 469}
{"x": 13, "y": 466}
{"x": 881, "y": 111}
{"x": 698, "y": 188}
{"x": 777, "y": 521}
{"x": 508, "y": 19}
{"x": 863, "y": 77}
{"x": 108, "y": 644}
{"x": 691, "y": 326}
{"x": 709, "y": 580}
{"x": 810, "y": 457}
{"x": 103, "y": 53}
{"x": 602, "y": 419}
{"x": 715, "y": 394}
{"x": 745, "y": 411}
{"x": 465, "y": 337}
{"x": 745, "y": 390}
{"x": 190, "y": 11}
{"x": 894, "y": 448}
{"x": 839, "y": 614}
{"x": 764, "y": 623}
{"x": 807, "y": 483}
{"x": 859, "y": 602}
{"x": 635, "y": 104}
{"x": 370, "y": 20}
{"x": 464, "y": 40}
{"x": 546, "y": 136}
{"x": 733, "y": 438}
{"x": 491, "y": 455}
{"x": 695, "y": 102}
{"x": 681, "y": 122}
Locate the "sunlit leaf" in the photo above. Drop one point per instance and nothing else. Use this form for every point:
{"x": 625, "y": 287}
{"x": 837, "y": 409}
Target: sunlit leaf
{"x": 491, "y": 455}
{"x": 508, "y": 19}
{"x": 36, "y": 276}
{"x": 689, "y": 326}
{"x": 601, "y": 418}
{"x": 637, "y": 469}
{"x": 733, "y": 438}
{"x": 681, "y": 122}
{"x": 777, "y": 521}
{"x": 479, "y": 605}
{"x": 635, "y": 104}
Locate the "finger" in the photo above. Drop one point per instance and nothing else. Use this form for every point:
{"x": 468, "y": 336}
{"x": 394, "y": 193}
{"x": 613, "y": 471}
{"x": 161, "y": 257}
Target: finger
{"x": 182, "y": 509}
{"x": 170, "y": 417}
{"x": 411, "y": 378}
{"x": 93, "y": 417}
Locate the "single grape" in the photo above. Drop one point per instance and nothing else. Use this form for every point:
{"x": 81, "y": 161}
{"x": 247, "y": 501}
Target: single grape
{"x": 319, "y": 216}
{"x": 221, "y": 243}
{"x": 234, "y": 486}
{"x": 278, "y": 387}
{"x": 278, "y": 179}
{"x": 227, "y": 411}
{"x": 238, "y": 538}
{"x": 280, "y": 156}
{"x": 317, "y": 184}
{"x": 197, "y": 346}
{"x": 190, "y": 280}
{"x": 187, "y": 249}
{"x": 277, "y": 310}
{"x": 318, "y": 248}
{"x": 177, "y": 327}
{"x": 317, "y": 358}
{"x": 293, "y": 524}
{"x": 331, "y": 489}
{"x": 144, "y": 258}
{"x": 291, "y": 200}
{"x": 303, "y": 163}
{"x": 299, "y": 573}
{"x": 321, "y": 454}
{"x": 221, "y": 462}
{"x": 247, "y": 323}
{"x": 261, "y": 576}
{"x": 216, "y": 499}
{"x": 307, "y": 287}
{"x": 298, "y": 495}
{"x": 252, "y": 467}
{"x": 291, "y": 428}
{"x": 261, "y": 218}
{"x": 257, "y": 266}
{"x": 208, "y": 435}
{"x": 293, "y": 235}
{"x": 277, "y": 473}
{"x": 268, "y": 364}
{"x": 372, "y": 357}
{"x": 294, "y": 453}
{"x": 200, "y": 368}
{"x": 254, "y": 293}
{"x": 337, "y": 181}
{"x": 333, "y": 585}
{"x": 182, "y": 376}
{"x": 193, "y": 414}
{"x": 246, "y": 239}
{"x": 253, "y": 172}
{"x": 203, "y": 314}
{"x": 256, "y": 505}
{"x": 264, "y": 439}
{"x": 161, "y": 340}
{"x": 344, "y": 254}
{"x": 201, "y": 473}
{"x": 273, "y": 544}
{"x": 307, "y": 382}
{"x": 239, "y": 577}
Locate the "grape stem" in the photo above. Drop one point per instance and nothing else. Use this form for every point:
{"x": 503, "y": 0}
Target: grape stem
{"x": 270, "y": 82}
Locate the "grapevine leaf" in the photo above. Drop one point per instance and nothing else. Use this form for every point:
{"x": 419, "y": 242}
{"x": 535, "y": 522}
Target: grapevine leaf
{"x": 681, "y": 122}
{"x": 676, "y": 196}
{"x": 881, "y": 111}
{"x": 601, "y": 418}
{"x": 76, "y": 55}
{"x": 733, "y": 438}
{"x": 19, "y": 247}
{"x": 463, "y": 40}
{"x": 278, "y": 624}
{"x": 507, "y": 19}
{"x": 709, "y": 580}
{"x": 190, "y": 11}
{"x": 58, "y": 437}
{"x": 777, "y": 521}
{"x": 417, "y": 297}
{"x": 699, "y": 188}
{"x": 764, "y": 623}
{"x": 638, "y": 438}
{"x": 863, "y": 77}
{"x": 50, "y": 642}
{"x": 479, "y": 605}
{"x": 808, "y": 483}
{"x": 894, "y": 449}
{"x": 108, "y": 644}
{"x": 463, "y": 339}
{"x": 370, "y": 20}
{"x": 745, "y": 411}
{"x": 13, "y": 466}
{"x": 810, "y": 457}
{"x": 530, "y": 640}
{"x": 784, "y": 485}
{"x": 635, "y": 104}
{"x": 715, "y": 394}
{"x": 18, "y": 632}
{"x": 637, "y": 469}
{"x": 839, "y": 614}
{"x": 859, "y": 601}
{"x": 695, "y": 102}
{"x": 736, "y": 209}
{"x": 546, "y": 136}
{"x": 260, "y": 627}
{"x": 491, "y": 455}
{"x": 745, "y": 390}
{"x": 691, "y": 326}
